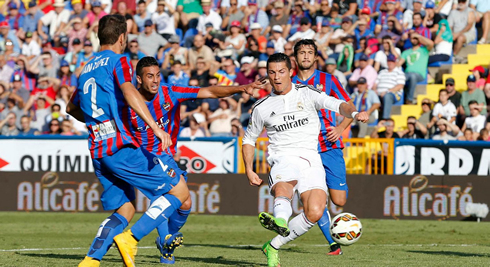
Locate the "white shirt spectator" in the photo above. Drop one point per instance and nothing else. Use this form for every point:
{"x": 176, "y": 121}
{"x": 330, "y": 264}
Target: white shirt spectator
{"x": 279, "y": 44}
{"x": 386, "y": 80}
{"x": 288, "y": 116}
{"x": 54, "y": 20}
{"x": 447, "y": 111}
{"x": 213, "y": 17}
{"x": 108, "y": 4}
{"x": 31, "y": 49}
{"x": 309, "y": 34}
{"x": 164, "y": 23}
{"x": 475, "y": 123}
{"x": 382, "y": 58}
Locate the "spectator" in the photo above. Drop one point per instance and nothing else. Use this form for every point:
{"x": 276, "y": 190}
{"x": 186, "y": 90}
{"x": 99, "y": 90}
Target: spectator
{"x": 362, "y": 30}
{"x": 28, "y": 78}
{"x": 208, "y": 16}
{"x": 85, "y": 55}
{"x": 304, "y": 31}
{"x": 484, "y": 135}
{"x": 31, "y": 19}
{"x": 443, "y": 43}
{"x": 179, "y": 76}
{"x": 8, "y": 126}
{"x": 365, "y": 70}
{"x": 75, "y": 30}
{"x": 45, "y": 68}
{"x": 453, "y": 95}
{"x": 254, "y": 14}
{"x": 201, "y": 73}
{"x": 7, "y": 34}
{"x": 67, "y": 128}
{"x": 234, "y": 13}
{"x": 277, "y": 39}
{"x": 56, "y": 20}
{"x": 14, "y": 18}
{"x": 247, "y": 71}
{"x": 149, "y": 41}
{"x": 228, "y": 75}
{"x": 331, "y": 68}
{"x": 288, "y": 49}
{"x": 220, "y": 120}
{"x": 66, "y": 77}
{"x": 365, "y": 100}
{"x": 188, "y": 10}
{"x": 294, "y": 19}
{"x": 78, "y": 11}
{"x": 447, "y": 131}
{"x": 408, "y": 14}
{"x": 236, "y": 40}
{"x": 336, "y": 39}
{"x": 63, "y": 98}
{"x": 19, "y": 92}
{"x": 246, "y": 103}
{"x": 164, "y": 19}
{"x": 54, "y": 128}
{"x": 415, "y": 129}
{"x": 95, "y": 14}
{"x": 25, "y": 122}
{"x": 210, "y": 105}
{"x": 387, "y": 48}
{"x": 30, "y": 48}
{"x": 346, "y": 7}
{"x": 346, "y": 58}
{"x": 467, "y": 135}
{"x": 141, "y": 15}
{"x": 364, "y": 48}
{"x": 45, "y": 90}
{"x": 426, "y": 115}
{"x": 175, "y": 53}
{"x": 391, "y": 14}
{"x": 482, "y": 8}
{"x": 479, "y": 71}
{"x": 419, "y": 28}
{"x": 462, "y": 23}
{"x": 416, "y": 59}
{"x": 389, "y": 132}
{"x": 5, "y": 70}
{"x": 72, "y": 57}
{"x": 433, "y": 18}
{"x": 196, "y": 129}
{"x": 476, "y": 122}
{"x": 134, "y": 48}
{"x": 365, "y": 13}
{"x": 200, "y": 50}
{"x": 321, "y": 15}
{"x": 443, "y": 109}
{"x": 472, "y": 93}
{"x": 236, "y": 128}
{"x": 11, "y": 107}
{"x": 322, "y": 37}
{"x": 389, "y": 86}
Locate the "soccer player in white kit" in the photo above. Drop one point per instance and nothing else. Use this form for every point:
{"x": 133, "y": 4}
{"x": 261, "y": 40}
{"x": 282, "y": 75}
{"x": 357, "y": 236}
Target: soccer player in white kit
{"x": 290, "y": 117}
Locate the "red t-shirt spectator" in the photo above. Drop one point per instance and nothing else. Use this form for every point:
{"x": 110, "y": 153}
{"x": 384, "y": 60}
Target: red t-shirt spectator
{"x": 49, "y": 92}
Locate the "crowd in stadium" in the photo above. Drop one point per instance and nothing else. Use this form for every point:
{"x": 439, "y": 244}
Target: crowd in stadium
{"x": 378, "y": 49}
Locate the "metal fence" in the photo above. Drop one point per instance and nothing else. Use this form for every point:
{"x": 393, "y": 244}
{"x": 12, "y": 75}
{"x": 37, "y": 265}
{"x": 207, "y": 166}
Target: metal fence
{"x": 362, "y": 156}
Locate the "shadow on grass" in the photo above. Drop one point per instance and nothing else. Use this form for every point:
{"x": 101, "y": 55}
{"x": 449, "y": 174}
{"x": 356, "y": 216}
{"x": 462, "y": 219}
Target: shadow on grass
{"x": 221, "y": 261}
{"x": 60, "y": 256}
{"x": 451, "y": 253}
{"x": 238, "y": 247}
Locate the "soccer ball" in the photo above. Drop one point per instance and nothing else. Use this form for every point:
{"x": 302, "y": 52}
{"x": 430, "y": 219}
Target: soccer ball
{"x": 346, "y": 229}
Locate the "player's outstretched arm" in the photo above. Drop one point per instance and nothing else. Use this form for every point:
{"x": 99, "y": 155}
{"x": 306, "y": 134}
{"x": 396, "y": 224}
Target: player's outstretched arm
{"x": 349, "y": 111}
{"x": 224, "y": 91}
{"x": 248, "y": 152}
{"x": 75, "y": 111}
{"x": 136, "y": 102}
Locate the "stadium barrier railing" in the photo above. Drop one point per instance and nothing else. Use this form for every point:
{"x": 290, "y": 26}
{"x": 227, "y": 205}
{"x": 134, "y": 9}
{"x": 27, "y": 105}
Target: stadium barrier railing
{"x": 362, "y": 156}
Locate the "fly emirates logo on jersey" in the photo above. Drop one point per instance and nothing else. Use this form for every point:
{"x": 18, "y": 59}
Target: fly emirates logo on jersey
{"x": 290, "y": 122}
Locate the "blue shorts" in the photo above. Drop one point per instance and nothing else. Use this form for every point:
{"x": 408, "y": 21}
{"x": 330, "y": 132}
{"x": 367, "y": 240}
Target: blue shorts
{"x": 133, "y": 168}
{"x": 334, "y": 164}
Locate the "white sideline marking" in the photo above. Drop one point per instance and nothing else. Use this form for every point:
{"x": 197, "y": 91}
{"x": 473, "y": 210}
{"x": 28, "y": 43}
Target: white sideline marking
{"x": 239, "y": 246}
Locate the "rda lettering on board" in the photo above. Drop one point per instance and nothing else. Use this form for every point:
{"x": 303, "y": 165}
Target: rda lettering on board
{"x": 419, "y": 197}
{"x": 51, "y": 194}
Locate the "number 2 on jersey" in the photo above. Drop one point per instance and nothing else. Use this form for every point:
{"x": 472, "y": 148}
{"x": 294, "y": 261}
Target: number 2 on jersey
{"x": 96, "y": 112}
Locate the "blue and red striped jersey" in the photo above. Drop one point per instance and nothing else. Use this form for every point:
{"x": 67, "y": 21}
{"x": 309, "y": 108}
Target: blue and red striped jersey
{"x": 165, "y": 110}
{"x": 104, "y": 107}
{"x": 332, "y": 87}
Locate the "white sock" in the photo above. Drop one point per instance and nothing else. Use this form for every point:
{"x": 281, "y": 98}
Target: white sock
{"x": 282, "y": 208}
{"x": 298, "y": 226}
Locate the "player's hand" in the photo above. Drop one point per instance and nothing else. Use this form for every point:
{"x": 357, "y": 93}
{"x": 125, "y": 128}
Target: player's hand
{"x": 258, "y": 84}
{"x": 253, "y": 178}
{"x": 362, "y": 116}
{"x": 164, "y": 138}
{"x": 333, "y": 134}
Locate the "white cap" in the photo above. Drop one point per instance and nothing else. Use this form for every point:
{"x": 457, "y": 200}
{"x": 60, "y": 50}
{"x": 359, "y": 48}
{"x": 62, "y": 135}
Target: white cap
{"x": 262, "y": 64}
{"x": 198, "y": 117}
{"x": 248, "y": 60}
{"x": 255, "y": 26}
{"x": 277, "y": 28}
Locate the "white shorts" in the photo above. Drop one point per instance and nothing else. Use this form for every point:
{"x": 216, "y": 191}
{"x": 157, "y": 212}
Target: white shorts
{"x": 307, "y": 171}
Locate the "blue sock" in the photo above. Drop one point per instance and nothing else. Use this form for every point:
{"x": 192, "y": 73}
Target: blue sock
{"x": 158, "y": 212}
{"x": 163, "y": 231}
{"x": 324, "y": 224}
{"x": 109, "y": 228}
{"x": 177, "y": 220}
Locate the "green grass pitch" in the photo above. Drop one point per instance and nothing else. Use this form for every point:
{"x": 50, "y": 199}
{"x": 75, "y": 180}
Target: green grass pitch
{"x": 62, "y": 239}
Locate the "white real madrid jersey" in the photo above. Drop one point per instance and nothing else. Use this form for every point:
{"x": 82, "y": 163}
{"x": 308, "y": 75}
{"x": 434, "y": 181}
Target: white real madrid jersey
{"x": 291, "y": 120}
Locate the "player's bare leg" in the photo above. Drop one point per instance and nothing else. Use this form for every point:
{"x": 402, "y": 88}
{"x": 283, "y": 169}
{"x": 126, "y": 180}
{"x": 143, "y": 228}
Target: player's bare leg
{"x": 338, "y": 197}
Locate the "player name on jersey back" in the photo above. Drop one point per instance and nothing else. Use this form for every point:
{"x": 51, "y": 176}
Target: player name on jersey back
{"x": 97, "y": 62}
